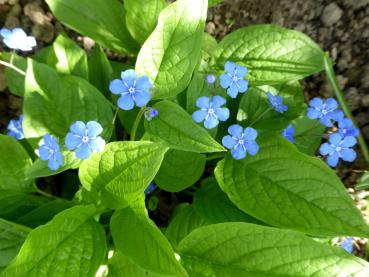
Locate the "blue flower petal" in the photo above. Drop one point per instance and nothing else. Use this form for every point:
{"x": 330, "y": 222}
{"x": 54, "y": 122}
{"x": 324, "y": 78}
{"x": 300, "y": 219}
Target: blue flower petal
{"x": 241, "y": 71}
{"x": 238, "y": 153}
{"x": 72, "y": 141}
{"x": 117, "y": 87}
{"x": 316, "y": 102}
{"x": 47, "y": 139}
{"x": 229, "y": 142}
{"x": 78, "y": 128}
{"x": 235, "y": 130}
{"x": 129, "y": 77}
{"x": 142, "y": 98}
{"x": 225, "y": 80}
{"x": 203, "y": 102}
{"x": 348, "y": 141}
{"x": 325, "y": 149}
{"x": 93, "y": 129}
{"x": 43, "y": 152}
{"x": 335, "y": 139}
{"x": 97, "y": 144}
{"x": 218, "y": 101}
{"x": 336, "y": 115}
{"x": 348, "y": 155}
{"x": 252, "y": 148}
{"x": 333, "y": 159}
{"x": 250, "y": 134}
{"x": 243, "y": 85}
{"x": 232, "y": 91}
{"x": 288, "y": 133}
{"x": 312, "y": 113}
{"x": 5, "y": 33}
{"x": 222, "y": 113}
{"x": 345, "y": 123}
{"x": 211, "y": 122}
{"x": 230, "y": 67}
{"x": 331, "y": 104}
{"x": 83, "y": 152}
{"x": 125, "y": 102}
{"x": 55, "y": 162}
{"x": 199, "y": 116}
{"x": 325, "y": 120}
{"x": 143, "y": 83}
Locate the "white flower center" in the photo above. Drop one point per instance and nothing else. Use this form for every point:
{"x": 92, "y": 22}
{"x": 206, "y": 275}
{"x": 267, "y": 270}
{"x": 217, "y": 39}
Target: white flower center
{"x": 235, "y": 79}
{"x": 131, "y": 90}
{"x": 211, "y": 111}
{"x": 85, "y": 139}
{"x": 240, "y": 141}
{"x": 338, "y": 149}
{"x": 324, "y": 112}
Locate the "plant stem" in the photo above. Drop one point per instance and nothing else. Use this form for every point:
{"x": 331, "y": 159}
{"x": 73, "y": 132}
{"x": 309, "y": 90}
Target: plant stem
{"x": 215, "y": 156}
{"x": 136, "y": 123}
{"x": 341, "y": 99}
{"x": 43, "y": 193}
{"x": 115, "y": 115}
{"x": 20, "y": 71}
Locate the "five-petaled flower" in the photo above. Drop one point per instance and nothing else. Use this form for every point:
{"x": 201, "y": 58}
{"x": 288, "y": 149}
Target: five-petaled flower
{"x": 17, "y": 39}
{"x": 210, "y": 79}
{"x": 288, "y": 133}
{"x": 210, "y": 111}
{"x": 347, "y": 128}
{"x": 324, "y": 111}
{"x": 85, "y": 139}
{"x": 277, "y": 103}
{"x": 151, "y": 113}
{"x": 133, "y": 90}
{"x": 49, "y": 151}
{"x": 15, "y": 128}
{"x": 241, "y": 141}
{"x": 232, "y": 79}
{"x": 337, "y": 148}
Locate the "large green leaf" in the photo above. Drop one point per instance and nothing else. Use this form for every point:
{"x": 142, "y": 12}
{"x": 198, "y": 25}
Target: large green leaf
{"x": 272, "y": 54}
{"x": 308, "y": 134}
{"x": 53, "y": 103}
{"x": 138, "y": 238}
{"x": 12, "y": 237}
{"x": 285, "y": 188}
{"x": 179, "y": 170}
{"x": 142, "y": 16}
{"x": 122, "y": 171}
{"x": 101, "y": 20}
{"x": 256, "y": 111}
{"x": 172, "y": 51}
{"x": 242, "y": 249}
{"x": 72, "y": 244}
{"x": 67, "y": 58}
{"x": 174, "y": 126}
{"x": 14, "y": 79}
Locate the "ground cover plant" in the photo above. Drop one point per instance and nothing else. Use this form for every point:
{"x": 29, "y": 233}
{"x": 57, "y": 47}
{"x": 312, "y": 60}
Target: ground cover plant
{"x": 223, "y": 124}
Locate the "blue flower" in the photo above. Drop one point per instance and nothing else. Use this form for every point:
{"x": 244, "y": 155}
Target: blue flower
{"x": 211, "y": 79}
{"x": 151, "y": 113}
{"x": 210, "y": 111}
{"x": 133, "y": 90}
{"x": 15, "y": 128}
{"x": 338, "y": 148}
{"x": 150, "y": 189}
{"x": 288, "y": 133}
{"x": 324, "y": 111}
{"x": 233, "y": 79}
{"x": 347, "y": 128}
{"x": 277, "y": 103}
{"x": 84, "y": 138}
{"x": 49, "y": 151}
{"x": 347, "y": 244}
{"x": 17, "y": 39}
{"x": 241, "y": 141}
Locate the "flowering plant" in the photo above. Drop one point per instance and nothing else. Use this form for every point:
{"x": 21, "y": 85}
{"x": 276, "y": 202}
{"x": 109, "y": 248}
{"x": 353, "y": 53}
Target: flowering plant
{"x": 221, "y": 126}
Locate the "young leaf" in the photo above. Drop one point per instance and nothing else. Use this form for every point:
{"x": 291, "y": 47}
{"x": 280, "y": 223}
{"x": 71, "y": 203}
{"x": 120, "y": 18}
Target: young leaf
{"x": 272, "y": 54}
{"x": 176, "y": 127}
{"x": 242, "y": 249}
{"x": 122, "y": 171}
{"x": 101, "y": 20}
{"x": 68, "y": 58}
{"x": 308, "y": 134}
{"x": 45, "y": 109}
{"x": 172, "y": 51}
{"x": 100, "y": 70}
{"x": 179, "y": 170}
{"x": 142, "y": 16}
{"x": 72, "y": 244}
{"x": 12, "y": 237}
{"x": 138, "y": 238}
{"x": 285, "y": 188}
{"x": 14, "y": 79}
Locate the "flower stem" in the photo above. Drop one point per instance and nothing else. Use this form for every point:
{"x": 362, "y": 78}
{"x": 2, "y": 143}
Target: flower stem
{"x": 136, "y": 123}
{"x": 46, "y": 194}
{"x": 115, "y": 115}
{"x": 341, "y": 99}
{"x": 20, "y": 71}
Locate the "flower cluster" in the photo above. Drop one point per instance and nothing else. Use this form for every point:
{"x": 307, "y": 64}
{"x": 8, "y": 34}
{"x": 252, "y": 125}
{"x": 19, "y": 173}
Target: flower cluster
{"x": 17, "y": 39}
{"x": 339, "y": 145}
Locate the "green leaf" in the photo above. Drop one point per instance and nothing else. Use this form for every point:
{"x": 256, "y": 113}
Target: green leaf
{"x": 138, "y": 238}
{"x": 285, "y": 188}
{"x": 308, "y": 134}
{"x": 142, "y": 16}
{"x": 67, "y": 58}
{"x": 209, "y": 44}
{"x": 40, "y": 168}
{"x": 72, "y": 244}
{"x": 179, "y": 170}
{"x": 45, "y": 109}
{"x": 122, "y": 171}
{"x": 14, "y": 79}
{"x": 174, "y": 126}
{"x": 15, "y": 204}
{"x": 214, "y": 2}
{"x": 100, "y": 70}
{"x": 364, "y": 181}
{"x": 272, "y": 54}
{"x": 101, "y": 20}
{"x": 256, "y": 111}
{"x": 172, "y": 51}
{"x": 242, "y": 249}
{"x": 12, "y": 237}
